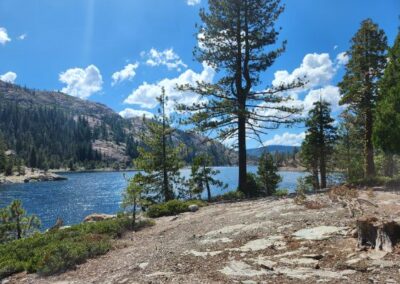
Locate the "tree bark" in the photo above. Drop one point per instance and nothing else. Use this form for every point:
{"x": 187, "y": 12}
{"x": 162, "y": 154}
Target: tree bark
{"x": 242, "y": 153}
{"x": 379, "y": 234}
{"x": 369, "y": 168}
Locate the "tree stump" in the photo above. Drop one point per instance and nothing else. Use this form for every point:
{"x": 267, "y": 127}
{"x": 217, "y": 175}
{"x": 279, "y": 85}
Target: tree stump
{"x": 378, "y": 234}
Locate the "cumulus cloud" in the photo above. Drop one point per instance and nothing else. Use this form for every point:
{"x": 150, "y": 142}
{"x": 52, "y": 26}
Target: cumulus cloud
{"x": 146, "y": 94}
{"x": 82, "y": 83}
{"x": 4, "y": 38}
{"x": 342, "y": 58}
{"x": 166, "y": 58}
{"x": 193, "y": 2}
{"x": 8, "y": 77}
{"x": 316, "y": 69}
{"x": 287, "y": 139}
{"x": 330, "y": 94}
{"x": 129, "y": 113}
{"x": 128, "y": 73}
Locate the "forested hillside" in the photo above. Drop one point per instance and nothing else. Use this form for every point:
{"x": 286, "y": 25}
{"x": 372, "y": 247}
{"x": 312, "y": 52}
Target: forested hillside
{"x": 51, "y": 130}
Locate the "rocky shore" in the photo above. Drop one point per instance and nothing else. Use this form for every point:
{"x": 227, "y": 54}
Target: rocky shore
{"x": 30, "y": 176}
{"x": 261, "y": 241}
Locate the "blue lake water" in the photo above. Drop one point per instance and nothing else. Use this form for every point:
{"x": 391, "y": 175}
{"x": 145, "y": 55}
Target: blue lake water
{"x": 99, "y": 192}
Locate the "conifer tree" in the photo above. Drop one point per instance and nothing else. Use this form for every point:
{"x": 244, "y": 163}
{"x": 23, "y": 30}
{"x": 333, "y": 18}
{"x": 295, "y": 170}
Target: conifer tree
{"x": 318, "y": 144}
{"x": 160, "y": 157}
{"x": 387, "y": 125}
{"x": 268, "y": 176}
{"x": 202, "y": 176}
{"x": 237, "y": 38}
{"x": 3, "y": 158}
{"x": 15, "y": 223}
{"x": 367, "y": 60}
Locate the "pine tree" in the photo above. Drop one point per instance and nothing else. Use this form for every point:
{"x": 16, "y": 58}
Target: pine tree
{"x": 133, "y": 196}
{"x": 268, "y": 176}
{"x": 236, "y": 38}
{"x": 202, "y": 176}
{"x": 319, "y": 142}
{"x": 387, "y": 124}
{"x": 360, "y": 82}
{"x": 160, "y": 158}
{"x": 15, "y": 223}
{"x": 3, "y": 158}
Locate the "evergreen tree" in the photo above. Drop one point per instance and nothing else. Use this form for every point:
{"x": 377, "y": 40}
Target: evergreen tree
{"x": 160, "y": 158}
{"x": 319, "y": 142}
{"x": 268, "y": 176}
{"x": 15, "y": 223}
{"x": 202, "y": 176}
{"x": 387, "y": 124}
{"x": 236, "y": 38}
{"x": 3, "y": 158}
{"x": 348, "y": 153}
{"x": 133, "y": 195}
{"x": 360, "y": 82}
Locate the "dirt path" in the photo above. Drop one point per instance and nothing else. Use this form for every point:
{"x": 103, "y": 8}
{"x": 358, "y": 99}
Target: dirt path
{"x": 247, "y": 242}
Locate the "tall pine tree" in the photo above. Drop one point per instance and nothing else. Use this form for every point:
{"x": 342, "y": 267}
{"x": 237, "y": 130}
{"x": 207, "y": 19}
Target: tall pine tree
{"x": 360, "y": 83}
{"x": 318, "y": 144}
{"x": 160, "y": 157}
{"x": 387, "y": 125}
{"x": 237, "y": 38}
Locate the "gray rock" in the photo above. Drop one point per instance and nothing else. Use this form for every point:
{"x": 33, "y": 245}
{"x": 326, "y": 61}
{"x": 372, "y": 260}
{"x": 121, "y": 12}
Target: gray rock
{"x": 193, "y": 208}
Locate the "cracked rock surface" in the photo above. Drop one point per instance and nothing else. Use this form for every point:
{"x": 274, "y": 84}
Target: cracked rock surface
{"x": 260, "y": 241}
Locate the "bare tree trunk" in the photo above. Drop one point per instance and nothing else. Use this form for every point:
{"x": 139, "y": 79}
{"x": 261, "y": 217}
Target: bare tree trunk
{"x": 242, "y": 154}
{"x": 369, "y": 169}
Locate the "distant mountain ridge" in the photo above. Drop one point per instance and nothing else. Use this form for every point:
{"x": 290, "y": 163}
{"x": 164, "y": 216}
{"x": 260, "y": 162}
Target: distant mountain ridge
{"x": 110, "y": 137}
{"x": 257, "y": 152}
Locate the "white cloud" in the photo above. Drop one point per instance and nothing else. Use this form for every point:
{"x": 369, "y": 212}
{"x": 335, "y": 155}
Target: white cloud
{"x": 4, "y": 38}
{"x": 316, "y": 69}
{"x": 146, "y": 95}
{"x": 22, "y": 37}
{"x": 8, "y": 77}
{"x": 129, "y": 113}
{"x": 287, "y": 139}
{"x": 82, "y": 83}
{"x": 193, "y": 2}
{"x": 330, "y": 94}
{"x": 342, "y": 58}
{"x": 166, "y": 58}
{"x": 128, "y": 73}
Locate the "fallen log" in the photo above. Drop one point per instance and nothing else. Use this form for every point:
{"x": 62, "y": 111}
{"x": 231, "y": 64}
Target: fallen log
{"x": 378, "y": 234}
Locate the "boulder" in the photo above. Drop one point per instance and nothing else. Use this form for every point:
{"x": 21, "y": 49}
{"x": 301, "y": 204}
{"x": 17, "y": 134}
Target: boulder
{"x": 95, "y": 217}
{"x": 193, "y": 208}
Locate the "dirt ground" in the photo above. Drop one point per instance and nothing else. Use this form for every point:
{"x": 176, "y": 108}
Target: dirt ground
{"x": 261, "y": 241}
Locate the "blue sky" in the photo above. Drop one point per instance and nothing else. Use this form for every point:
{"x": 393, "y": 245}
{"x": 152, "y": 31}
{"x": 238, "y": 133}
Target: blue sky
{"x": 116, "y": 52}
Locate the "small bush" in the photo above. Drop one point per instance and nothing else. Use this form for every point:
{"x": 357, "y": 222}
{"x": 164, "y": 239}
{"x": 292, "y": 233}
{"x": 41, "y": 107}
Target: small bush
{"x": 393, "y": 182}
{"x": 283, "y": 192}
{"x": 230, "y": 196}
{"x": 57, "y": 251}
{"x": 172, "y": 207}
{"x": 372, "y": 181}
{"x": 252, "y": 189}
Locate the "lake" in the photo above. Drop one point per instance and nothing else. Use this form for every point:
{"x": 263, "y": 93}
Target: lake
{"x": 96, "y": 192}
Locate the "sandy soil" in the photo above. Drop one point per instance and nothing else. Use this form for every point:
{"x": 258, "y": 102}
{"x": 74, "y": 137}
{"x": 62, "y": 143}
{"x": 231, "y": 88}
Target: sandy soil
{"x": 261, "y": 241}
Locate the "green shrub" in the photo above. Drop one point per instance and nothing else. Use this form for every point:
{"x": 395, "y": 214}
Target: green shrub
{"x": 58, "y": 251}
{"x": 172, "y": 207}
{"x": 252, "y": 189}
{"x": 393, "y": 182}
{"x": 372, "y": 181}
{"x": 230, "y": 196}
{"x": 282, "y": 192}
